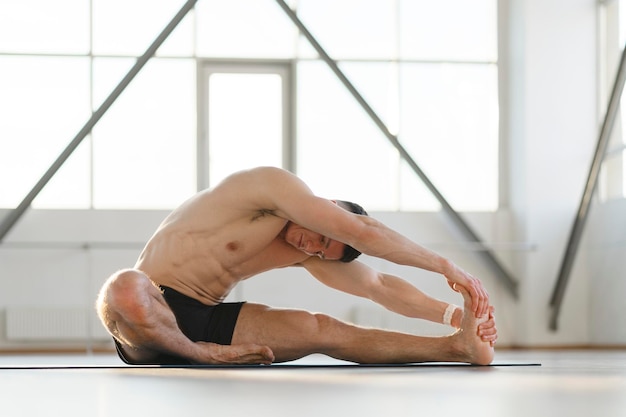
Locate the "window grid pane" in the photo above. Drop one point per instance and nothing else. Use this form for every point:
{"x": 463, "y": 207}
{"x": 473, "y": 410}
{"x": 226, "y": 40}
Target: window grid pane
{"x": 33, "y": 134}
{"x": 245, "y": 122}
{"x": 144, "y": 149}
{"x": 44, "y": 27}
{"x": 449, "y": 124}
{"x": 341, "y": 153}
{"x": 116, "y": 30}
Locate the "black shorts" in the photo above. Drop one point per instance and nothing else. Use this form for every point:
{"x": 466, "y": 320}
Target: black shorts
{"x": 197, "y": 321}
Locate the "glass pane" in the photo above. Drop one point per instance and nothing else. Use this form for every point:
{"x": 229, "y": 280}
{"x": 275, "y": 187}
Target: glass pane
{"x": 449, "y": 119}
{"x": 108, "y": 72}
{"x": 448, "y": 29}
{"x": 618, "y": 135}
{"x": 144, "y": 146}
{"x": 244, "y": 28}
{"x": 44, "y": 102}
{"x": 611, "y": 183}
{"x": 622, "y": 22}
{"x": 414, "y": 196}
{"x": 613, "y": 173}
{"x": 70, "y": 187}
{"x": 122, "y": 27}
{"x": 378, "y": 84}
{"x": 341, "y": 153}
{"x": 350, "y": 28}
{"x": 245, "y": 122}
{"x": 43, "y": 26}
{"x": 622, "y": 134}
{"x": 624, "y": 173}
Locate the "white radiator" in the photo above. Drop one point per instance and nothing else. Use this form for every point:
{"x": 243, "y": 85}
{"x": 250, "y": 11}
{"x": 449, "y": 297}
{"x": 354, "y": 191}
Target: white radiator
{"x": 50, "y": 324}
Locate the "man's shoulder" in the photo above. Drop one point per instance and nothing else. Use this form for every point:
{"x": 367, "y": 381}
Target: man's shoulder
{"x": 253, "y": 183}
{"x": 262, "y": 171}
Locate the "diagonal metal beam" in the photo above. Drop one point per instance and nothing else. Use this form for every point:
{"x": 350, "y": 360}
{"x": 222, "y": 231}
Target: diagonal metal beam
{"x": 11, "y": 219}
{"x": 585, "y": 203}
{"x": 470, "y": 234}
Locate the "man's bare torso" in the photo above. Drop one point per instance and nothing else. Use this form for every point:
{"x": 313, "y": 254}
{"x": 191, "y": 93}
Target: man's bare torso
{"x": 212, "y": 242}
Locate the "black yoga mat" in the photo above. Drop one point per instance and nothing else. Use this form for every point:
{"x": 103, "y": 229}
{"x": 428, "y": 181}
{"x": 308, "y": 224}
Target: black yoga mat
{"x": 283, "y": 367}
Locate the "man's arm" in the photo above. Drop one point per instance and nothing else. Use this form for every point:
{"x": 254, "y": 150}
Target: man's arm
{"x": 290, "y": 198}
{"x": 391, "y": 292}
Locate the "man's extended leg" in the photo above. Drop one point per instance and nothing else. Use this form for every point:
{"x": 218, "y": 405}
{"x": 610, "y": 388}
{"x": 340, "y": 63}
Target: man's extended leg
{"x": 292, "y": 334}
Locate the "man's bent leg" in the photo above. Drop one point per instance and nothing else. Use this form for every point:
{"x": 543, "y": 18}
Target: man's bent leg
{"x": 135, "y": 312}
{"x": 292, "y": 334}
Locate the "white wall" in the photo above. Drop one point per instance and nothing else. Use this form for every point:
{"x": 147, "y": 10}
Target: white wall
{"x": 550, "y": 136}
{"x": 550, "y": 128}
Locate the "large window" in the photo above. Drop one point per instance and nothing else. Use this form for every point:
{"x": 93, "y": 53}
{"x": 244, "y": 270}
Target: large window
{"x": 612, "y": 42}
{"x": 428, "y": 69}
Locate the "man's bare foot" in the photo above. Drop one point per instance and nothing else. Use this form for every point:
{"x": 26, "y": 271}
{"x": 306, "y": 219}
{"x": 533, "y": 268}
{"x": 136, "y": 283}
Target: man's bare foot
{"x": 471, "y": 348}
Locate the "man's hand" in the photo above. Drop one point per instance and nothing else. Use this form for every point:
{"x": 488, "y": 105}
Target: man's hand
{"x": 487, "y": 331}
{"x": 480, "y": 298}
{"x": 215, "y": 354}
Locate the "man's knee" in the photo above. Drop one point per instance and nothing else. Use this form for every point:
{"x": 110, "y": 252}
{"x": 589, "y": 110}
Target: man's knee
{"x": 325, "y": 326}
{"x": 125, "y": 296}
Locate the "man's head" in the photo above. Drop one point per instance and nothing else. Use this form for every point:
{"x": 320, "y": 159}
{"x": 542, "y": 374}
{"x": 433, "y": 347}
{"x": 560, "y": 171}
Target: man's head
{"x": 314, "y": 244}
{"x": 349, "y": 253}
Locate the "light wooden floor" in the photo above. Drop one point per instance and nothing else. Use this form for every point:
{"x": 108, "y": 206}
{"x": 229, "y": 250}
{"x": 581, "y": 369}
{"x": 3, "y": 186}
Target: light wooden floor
{"x": 569, "y": 383}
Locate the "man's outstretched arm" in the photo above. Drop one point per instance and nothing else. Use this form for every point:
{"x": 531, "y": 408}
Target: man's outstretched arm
{"x": 289, "y": 197}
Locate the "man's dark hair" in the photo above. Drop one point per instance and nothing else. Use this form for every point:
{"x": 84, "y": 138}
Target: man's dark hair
{"x": 349, "y": 253}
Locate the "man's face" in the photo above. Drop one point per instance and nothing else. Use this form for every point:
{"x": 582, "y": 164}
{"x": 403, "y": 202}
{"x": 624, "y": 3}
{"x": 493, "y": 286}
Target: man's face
{"x": 313, "y": 243}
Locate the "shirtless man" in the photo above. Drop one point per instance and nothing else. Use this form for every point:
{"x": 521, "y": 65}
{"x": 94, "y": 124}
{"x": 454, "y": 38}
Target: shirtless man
{"x": 169, "y": 308}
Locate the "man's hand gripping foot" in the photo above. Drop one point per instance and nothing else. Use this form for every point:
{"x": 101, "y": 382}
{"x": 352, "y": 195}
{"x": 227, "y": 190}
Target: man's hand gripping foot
{"x": 468, "y": 342}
